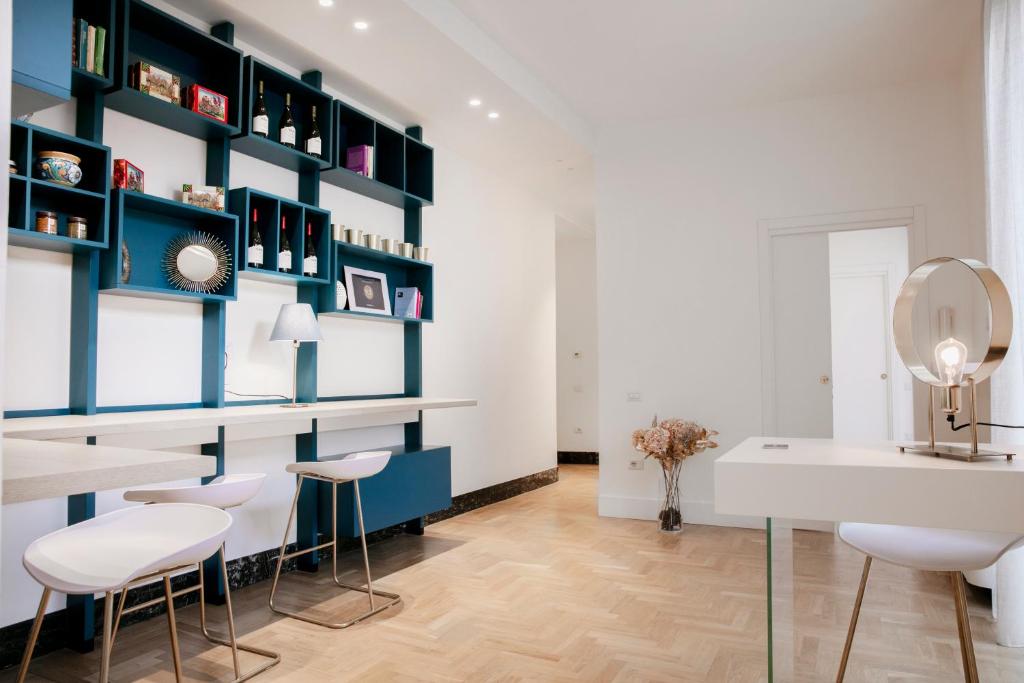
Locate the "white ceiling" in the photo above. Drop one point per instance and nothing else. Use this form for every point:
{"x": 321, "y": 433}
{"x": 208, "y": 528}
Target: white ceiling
{"x": 616, "y": 61}
{"x": 560, "y": 70}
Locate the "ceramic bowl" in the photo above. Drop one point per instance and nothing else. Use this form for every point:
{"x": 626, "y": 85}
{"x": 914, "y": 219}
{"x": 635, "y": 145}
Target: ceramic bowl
{"x": 60, "y": 167}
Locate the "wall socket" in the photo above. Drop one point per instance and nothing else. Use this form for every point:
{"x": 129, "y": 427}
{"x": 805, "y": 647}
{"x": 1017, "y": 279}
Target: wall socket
{"x": 636, "y": 464}
{"x": 578, "y": 430}
{"x": 634, "y": 397}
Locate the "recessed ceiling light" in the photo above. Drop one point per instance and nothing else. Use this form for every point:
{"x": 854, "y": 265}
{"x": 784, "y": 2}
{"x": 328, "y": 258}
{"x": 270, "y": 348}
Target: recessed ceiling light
{"x": 327, "y": 3}
{"x": 493, "y": 115}
{"x": 360, "y": 25}
{"x": 475, "y": 102}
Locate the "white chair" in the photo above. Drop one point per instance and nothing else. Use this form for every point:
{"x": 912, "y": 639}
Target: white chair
{"x": 351, "y": 468}
{"x": 224, "y": 492}
{"x": 935, "y": 550}
{"x": 118, "y": 550}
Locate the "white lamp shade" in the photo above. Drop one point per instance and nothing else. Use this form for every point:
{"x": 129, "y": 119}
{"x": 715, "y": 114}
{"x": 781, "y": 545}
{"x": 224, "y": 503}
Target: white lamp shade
{"x": 296, "y": 322}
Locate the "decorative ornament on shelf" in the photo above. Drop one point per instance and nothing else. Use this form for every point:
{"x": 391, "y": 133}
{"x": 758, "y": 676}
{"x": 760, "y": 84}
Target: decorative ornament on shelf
{"x": 197, "y": 262}
{"x": 126, "y": 263}
{"x": 670, "y": 442}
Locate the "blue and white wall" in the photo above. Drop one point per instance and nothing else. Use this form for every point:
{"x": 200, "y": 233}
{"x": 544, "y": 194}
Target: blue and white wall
{"x": 494, "y": 339}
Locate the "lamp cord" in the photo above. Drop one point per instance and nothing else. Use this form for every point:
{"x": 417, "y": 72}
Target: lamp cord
{"x": 951, "y": 419}
{"x": 235, "y": 393}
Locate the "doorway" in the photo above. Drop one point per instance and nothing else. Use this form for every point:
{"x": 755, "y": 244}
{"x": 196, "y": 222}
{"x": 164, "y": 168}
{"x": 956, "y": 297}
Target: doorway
{"x": 829, "y": 364}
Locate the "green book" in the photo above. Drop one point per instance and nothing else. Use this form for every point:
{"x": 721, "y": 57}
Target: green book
{"x": 101, "y": 42}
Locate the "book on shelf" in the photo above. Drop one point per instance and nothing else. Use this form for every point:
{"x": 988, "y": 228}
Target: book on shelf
{"x": 360, "y": 160}
{"x": 74, "y": 41}
{"x": 101, "y": 49}
{"x": 83, "y": 42}
{"x": 407, "y": 302}
{"x": 90, "y": 53}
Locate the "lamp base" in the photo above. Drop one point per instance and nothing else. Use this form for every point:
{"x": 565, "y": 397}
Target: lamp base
{"x": 294, "y": 405}
{"x": 953, "y": 452}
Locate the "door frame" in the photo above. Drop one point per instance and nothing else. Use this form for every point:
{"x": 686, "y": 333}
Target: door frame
{"x": 913, "y": 218}
{"x": 887, "y": 274}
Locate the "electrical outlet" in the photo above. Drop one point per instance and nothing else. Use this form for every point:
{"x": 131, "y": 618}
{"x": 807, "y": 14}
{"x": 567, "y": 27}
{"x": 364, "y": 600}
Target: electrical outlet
{"x": 578, "y": 430}
{"x": 636, "y": 464}
{"x": 634, "y": 397}
{"x": 577, "y": 355}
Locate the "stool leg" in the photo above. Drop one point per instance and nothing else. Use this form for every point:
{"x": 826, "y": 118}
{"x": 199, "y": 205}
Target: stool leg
{"x": 964, "y": 626}
{"x": 33, "y": 635}
{"x": 284, "y": 544}
{"x": 231, "y": 614}
{"x": 108, "y": 636}
{"x": 172, "y": 627}
{"x": 853, "y": 620}
{"x": 117, "y": 615}
{"x": 362, "y": 539}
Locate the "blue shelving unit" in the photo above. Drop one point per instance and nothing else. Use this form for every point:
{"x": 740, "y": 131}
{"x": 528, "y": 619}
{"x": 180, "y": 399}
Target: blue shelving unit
{"x": 147, "y": 224}
{"x": 401, "y": 272}
{"x": 269, "y": 210}
{"x": 89, "y": 199}
{"x": 147, "y": 34}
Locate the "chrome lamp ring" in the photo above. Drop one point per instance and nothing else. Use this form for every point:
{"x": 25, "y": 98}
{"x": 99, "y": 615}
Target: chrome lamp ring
{"x": 1001, "y": 319}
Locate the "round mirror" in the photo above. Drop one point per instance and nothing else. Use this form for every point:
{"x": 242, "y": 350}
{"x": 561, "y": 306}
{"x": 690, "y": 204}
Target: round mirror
{"x": 197, "y": 263}
{"x": 952, "y": 321}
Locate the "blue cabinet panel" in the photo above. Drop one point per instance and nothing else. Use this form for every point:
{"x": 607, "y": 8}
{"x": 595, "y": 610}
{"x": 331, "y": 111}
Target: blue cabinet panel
{"x": 415, "y": 483}
{"x": 41, "y": 56}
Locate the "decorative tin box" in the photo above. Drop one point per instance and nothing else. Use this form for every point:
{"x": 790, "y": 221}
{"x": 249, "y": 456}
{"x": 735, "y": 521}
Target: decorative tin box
{"x": 155, "y": 82}
{"x": 128, "y": 176}
{"x": 205, "y": 196}
{"x": 207, "y": 102}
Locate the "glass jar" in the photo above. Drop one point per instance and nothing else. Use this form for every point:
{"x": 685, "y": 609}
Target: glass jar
{"x": 78, "y": 228}
{"x": 46, "y": 221}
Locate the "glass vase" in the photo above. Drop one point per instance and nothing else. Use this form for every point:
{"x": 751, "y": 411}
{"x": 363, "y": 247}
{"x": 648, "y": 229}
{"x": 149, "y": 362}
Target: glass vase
{"x": 671, "y": 515}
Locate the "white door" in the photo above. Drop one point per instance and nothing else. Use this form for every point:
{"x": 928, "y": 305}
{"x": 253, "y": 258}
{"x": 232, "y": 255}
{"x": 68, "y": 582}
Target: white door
{"x": 861, "y": 372}
{"x": 801, "y": 330}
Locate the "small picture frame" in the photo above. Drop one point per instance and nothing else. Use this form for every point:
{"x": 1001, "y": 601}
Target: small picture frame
{"x": 128, "y": 176}
{"x": 208, "y": 103}
{"x": 204, "y": 196}
{"x": 367, "y": 291}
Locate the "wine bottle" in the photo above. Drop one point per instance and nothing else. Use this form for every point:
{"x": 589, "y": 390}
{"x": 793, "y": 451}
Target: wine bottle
{"x": 313, "y": 141}
{"x": 284, "y": 254}
{"x": 309, "y": 259}
{"x": 287, "y": 133}
{"x": 255, "y": 242}
{"x": 260, "y": 118}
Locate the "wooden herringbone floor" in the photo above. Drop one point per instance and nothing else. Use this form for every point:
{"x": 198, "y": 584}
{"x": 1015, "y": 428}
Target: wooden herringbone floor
{"x": 539, "y": 588}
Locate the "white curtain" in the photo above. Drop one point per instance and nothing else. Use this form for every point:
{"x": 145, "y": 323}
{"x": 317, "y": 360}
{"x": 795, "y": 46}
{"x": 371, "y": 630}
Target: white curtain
{"x": 1004, "y": 160}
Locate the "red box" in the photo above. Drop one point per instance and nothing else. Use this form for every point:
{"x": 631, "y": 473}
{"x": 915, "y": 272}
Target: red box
{"x": 128, "y": 176}
{"x": 208, "y": 103}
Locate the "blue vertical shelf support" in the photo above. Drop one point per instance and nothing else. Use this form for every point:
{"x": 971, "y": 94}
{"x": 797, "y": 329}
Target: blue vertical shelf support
{"x": 85, "y": 286}
{"x": 307, "y": 524}
{"x": 218, "y": 167}
{"x": 413, "y": 342}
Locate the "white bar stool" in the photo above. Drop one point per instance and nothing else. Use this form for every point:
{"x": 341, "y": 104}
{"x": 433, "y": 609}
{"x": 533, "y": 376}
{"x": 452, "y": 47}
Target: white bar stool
{"x": 351, "y": 468}
{"x": 118, "y": 550}
{"x": 934, "y": 550}
{"x": 227, "y": 491}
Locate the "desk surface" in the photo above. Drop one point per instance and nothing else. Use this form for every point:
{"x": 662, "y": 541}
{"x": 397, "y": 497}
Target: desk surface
{"x": 822, "y": 479}
{"x": 34, "y": 470}
{"x": 75, "y": 426}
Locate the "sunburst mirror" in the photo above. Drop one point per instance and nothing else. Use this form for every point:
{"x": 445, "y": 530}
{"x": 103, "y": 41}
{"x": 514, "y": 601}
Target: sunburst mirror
{"x": 197, "y": 262}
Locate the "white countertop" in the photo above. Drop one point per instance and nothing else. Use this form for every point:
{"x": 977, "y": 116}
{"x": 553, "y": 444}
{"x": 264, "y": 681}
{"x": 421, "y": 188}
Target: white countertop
{"x": 76, "y": 426}
{"x": 34, "y": 470}
{"x": 822, "y": 479}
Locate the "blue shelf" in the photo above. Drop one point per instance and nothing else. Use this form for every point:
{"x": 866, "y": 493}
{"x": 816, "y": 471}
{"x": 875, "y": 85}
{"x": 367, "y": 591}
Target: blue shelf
{"x": 347, "y": 249}
{"x": 269, "y": 207}
{"x": 98, "y": 13}
{"x": 148, "y": 224}
{"x": 304, "y": 96}
{"x": 374, "y": 316}
{"x": 400, "y": 271}
{"x": 144, "y": 33}
{"x": 374, "y": 189}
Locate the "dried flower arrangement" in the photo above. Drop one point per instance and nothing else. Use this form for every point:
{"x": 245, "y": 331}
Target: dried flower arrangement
{"x": 670, "y": 442}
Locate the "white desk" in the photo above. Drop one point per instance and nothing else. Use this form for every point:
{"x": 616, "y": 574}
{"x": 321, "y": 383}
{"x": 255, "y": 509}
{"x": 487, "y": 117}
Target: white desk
{"x": 34, "y": 470}
{"x": 821, "y": 479}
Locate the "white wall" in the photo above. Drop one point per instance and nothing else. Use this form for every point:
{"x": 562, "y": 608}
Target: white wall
{"x": 576, "y": 281}
{"x": 493, "y": 339}
{"x": 677, "y": 263}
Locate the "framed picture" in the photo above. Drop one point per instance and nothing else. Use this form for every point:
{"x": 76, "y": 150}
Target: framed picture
{"x": 205, "y": 196}
{"x": 367, "y": 291}
{"x": 208, "y": 103}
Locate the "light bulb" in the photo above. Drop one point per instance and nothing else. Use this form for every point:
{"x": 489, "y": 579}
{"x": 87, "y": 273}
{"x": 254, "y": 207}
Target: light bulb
{"x": 951, "y": 357}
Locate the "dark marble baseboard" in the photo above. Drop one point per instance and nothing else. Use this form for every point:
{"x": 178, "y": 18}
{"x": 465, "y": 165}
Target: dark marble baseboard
{"x": 577, "y": 458}
{"x": 246, "y": 571}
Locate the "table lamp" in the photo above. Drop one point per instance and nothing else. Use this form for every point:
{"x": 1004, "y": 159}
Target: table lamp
{"x": 296, "y": 323}
{"x": 950, "y": 354}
